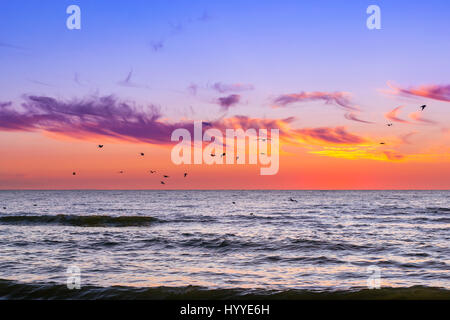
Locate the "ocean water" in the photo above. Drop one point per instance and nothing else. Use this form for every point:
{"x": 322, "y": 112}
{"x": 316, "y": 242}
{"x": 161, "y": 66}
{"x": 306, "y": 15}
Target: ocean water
{"x": 199, "y": 244}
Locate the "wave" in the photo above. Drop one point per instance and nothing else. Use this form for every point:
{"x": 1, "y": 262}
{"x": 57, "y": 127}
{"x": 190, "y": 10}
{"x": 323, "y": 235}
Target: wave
{"x": 14, "y": 290}
{"x": 80, "y": 221}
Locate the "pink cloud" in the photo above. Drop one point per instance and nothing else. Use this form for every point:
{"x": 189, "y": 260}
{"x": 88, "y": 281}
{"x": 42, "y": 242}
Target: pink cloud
{"x": 353, "y": 116}
{"x": 337, "y": 135}
{"x": 393, "y": 115}
{"x": 417, "y": 116}
{"x": 436, "y": 92}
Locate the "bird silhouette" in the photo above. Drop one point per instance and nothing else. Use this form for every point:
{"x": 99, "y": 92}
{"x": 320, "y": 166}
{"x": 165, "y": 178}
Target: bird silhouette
{"x": 165, "y": 176}
{"x": 223, "y": 154}
{"x": 382, "y": 143}
{"x": 185, "y": 174}
{"x": 74, "y": 173}
{"x": 292, "y": 200}
{"x": 151, "y": 171}
{"x": 142, "y": 154}
{"x": 423, "y": 107}
{"x": 234, "y": 202}
{"x": 213, "y": 155}
{"x": 162, "y": 182}
{"x": 100, "y": 146}
{"x": 389, "y": 124}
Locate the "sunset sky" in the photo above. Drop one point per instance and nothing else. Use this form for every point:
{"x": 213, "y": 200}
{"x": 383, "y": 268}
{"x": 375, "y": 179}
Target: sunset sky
{"x": 137, "y": 70}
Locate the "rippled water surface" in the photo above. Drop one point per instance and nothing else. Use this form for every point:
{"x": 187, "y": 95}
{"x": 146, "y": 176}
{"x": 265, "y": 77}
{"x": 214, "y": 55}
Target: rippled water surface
{"x": 323, "y": 242}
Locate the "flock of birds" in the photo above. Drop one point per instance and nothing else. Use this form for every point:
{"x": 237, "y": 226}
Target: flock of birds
{"x": 142, "y": 154}
{"x": 390, "y": 124}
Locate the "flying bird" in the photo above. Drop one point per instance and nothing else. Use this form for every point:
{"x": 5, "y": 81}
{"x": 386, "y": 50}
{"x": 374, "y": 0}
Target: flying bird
{"x": 165, "y": 176}
{"x": 223, "y": 154}
{"x": 100, "y": 146}
{"x": 389, "y": 124}
{"x": 151, "y": 171}
{"x": 162, "y": 182}
{"x": 382, "y": 143}
{"x": 185, "y": 174}
{"x": 213, "y": 155}
{"x": 74, "y": 173}
{"x": 292, "y": 200}
{"x": 142, "y": 154}
{"x": 423, "y": 107}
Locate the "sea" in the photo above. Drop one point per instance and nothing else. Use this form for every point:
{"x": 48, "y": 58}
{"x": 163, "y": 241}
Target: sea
{"x": 224, "y": 244}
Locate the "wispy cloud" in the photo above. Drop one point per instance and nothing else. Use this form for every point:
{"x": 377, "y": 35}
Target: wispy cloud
{"x": 235, "y": 87}
{"x": 228, "y": 101}
{"x": 393, "y": 155}
{"x": 393, "y": 115}
{"x": 109, "y": 117}
{"x": 406, "y": 137}
{"x": 127, "y": 82}
{"x": 11, "y": 46}
{"x": 177, "y": 28}
{"x": 354, "y": 117}
{"x": 418, "y": 116}
{"x": 157, "y": 45}
{"x": 341, "y": 99}
{"x": 327, "y": 135}
{"x": 436, "y": 92}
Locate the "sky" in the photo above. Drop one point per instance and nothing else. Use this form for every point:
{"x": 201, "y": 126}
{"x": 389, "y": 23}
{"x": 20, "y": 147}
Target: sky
{"x": 346, "y": 99}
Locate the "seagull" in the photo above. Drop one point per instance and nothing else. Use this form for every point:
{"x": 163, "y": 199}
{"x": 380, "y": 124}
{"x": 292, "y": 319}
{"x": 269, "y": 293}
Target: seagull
{"x": 185, "y": 174}
{"x": 423, "y": 107}
{"x": 293, "y": 200}
{"x": 100, "y": 146}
